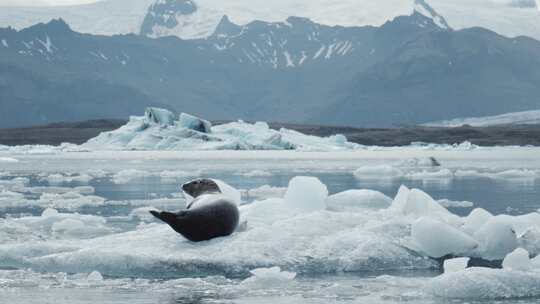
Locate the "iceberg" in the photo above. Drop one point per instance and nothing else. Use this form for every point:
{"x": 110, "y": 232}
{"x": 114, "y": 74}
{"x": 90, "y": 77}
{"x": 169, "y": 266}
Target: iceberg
{"x": 159, "y": 130}
{"x": 194, "y": 123}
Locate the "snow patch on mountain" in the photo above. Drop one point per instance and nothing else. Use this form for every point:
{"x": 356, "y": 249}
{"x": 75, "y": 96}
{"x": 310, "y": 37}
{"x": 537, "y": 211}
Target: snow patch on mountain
{"x": 515, "y": 118}
{"x": 198, "y": 18}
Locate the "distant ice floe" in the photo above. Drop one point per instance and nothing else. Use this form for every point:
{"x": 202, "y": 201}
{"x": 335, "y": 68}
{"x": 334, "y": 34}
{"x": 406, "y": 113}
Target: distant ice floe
{"x": 8, "y": 160}
{"x": 265, "y": 191}
{"x": 158, "y": 129}
{"x": 431, "y": 169}
{"x": 128, "y": 175}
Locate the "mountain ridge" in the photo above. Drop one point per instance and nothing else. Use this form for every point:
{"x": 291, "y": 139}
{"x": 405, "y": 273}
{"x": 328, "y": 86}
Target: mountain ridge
{"x": 191, "y": 19}
{"x": 407, "y": 71}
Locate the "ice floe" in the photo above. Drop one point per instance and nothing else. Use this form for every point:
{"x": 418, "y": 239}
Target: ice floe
{"x": 301, "y": 230}
{"x": 422, "y": 169}
{"x": 265, "y": 191}
{"x": 8, "y": 160}
{"x": 269, "y": 278}
{"x": 358, "y": 199}
{"x": 128, "y": 175}
{"x": 486, "y": 284}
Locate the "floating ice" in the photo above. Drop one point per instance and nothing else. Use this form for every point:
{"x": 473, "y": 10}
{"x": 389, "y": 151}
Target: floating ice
{"x": 178, "y": 174}
{"x": 485, "y": 283}
{"x": 517, "y": 260}
{"x": 438, "y": 239}
{"x": 95, "y": 276}
{"x": 269, "y": 278}
{"x": 424, "y": 174}
{"x": 456, "y": 264}
{"x": 51, "y": 225}
{"x": 157, "y": 130}
{"x": 11, "y": 199}
{"x": 446, "y": 203}
{"x": 417, "y": 203}
{"x": 8, "y": 160}
{"x": 475, "y": 220}
{"x": 379, "y": 172}
{"x": 352, "y": 200}
{"x": 69, "y": 200}
{"x": 504, "y": 174}
{"x": 256, "y": 173}
{"x": 126, "y": 176}
{"x": 306, "y": 193}
{"x": 58, "y": 190}
{"x": 497, "y": 239}
{"x": 59, "y": 178}
{"x": 265, "y": 191}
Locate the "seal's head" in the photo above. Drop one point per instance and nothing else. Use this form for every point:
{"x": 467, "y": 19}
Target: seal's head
{"x": 200, "y": 186}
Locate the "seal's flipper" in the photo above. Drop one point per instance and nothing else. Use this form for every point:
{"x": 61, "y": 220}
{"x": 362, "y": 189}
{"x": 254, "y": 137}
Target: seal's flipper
{"x": 167, "y": 217}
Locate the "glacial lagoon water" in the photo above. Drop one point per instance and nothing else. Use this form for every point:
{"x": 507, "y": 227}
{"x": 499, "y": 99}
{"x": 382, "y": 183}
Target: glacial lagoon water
{"x": 44, "y": 262}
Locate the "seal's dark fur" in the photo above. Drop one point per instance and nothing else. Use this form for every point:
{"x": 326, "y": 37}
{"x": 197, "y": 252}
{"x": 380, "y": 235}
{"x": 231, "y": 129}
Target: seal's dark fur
{"x": 205, "y": 222}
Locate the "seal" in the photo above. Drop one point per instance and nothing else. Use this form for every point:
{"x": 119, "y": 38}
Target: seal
{"x": 209, "y": 215}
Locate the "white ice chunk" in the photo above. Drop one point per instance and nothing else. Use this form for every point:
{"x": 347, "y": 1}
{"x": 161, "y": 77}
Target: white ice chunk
{"x": 269, "y": 277}
{"x": 126, "y": 176}
{"x": 497, "y": 239}
{"x": 8, "y": 160}
{"x": 485, "y": 284}
{"x": 446, "y": 203}
{"x": 417, "y": 203}
{"x": 256, "y": 173}
{"x": 194, "y": 123}
{"x": 265, "y": 191}
{"x": 400, "y": 200}
{"x": 438, "y": 239}
{"x": 475, "y": 220}
{"x": 517, "y": 260}
{"x": 378, "y": 172}
{"x": 456, "y": 264}
{"x": 306, "y": 193}
{"x": 352, "y": 200}
{"x": 95, "y": 276}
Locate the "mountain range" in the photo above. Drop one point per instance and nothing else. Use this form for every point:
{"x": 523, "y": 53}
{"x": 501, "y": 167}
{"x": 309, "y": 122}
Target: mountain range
{"x": 411, "y": 69}
{"x": 190, "y": 19}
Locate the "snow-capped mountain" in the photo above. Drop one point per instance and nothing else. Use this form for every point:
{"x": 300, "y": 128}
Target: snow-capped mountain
{"x": 199, "y": 18}
{"x": 409, "y": 70}
{"x": 514, "y": 118}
